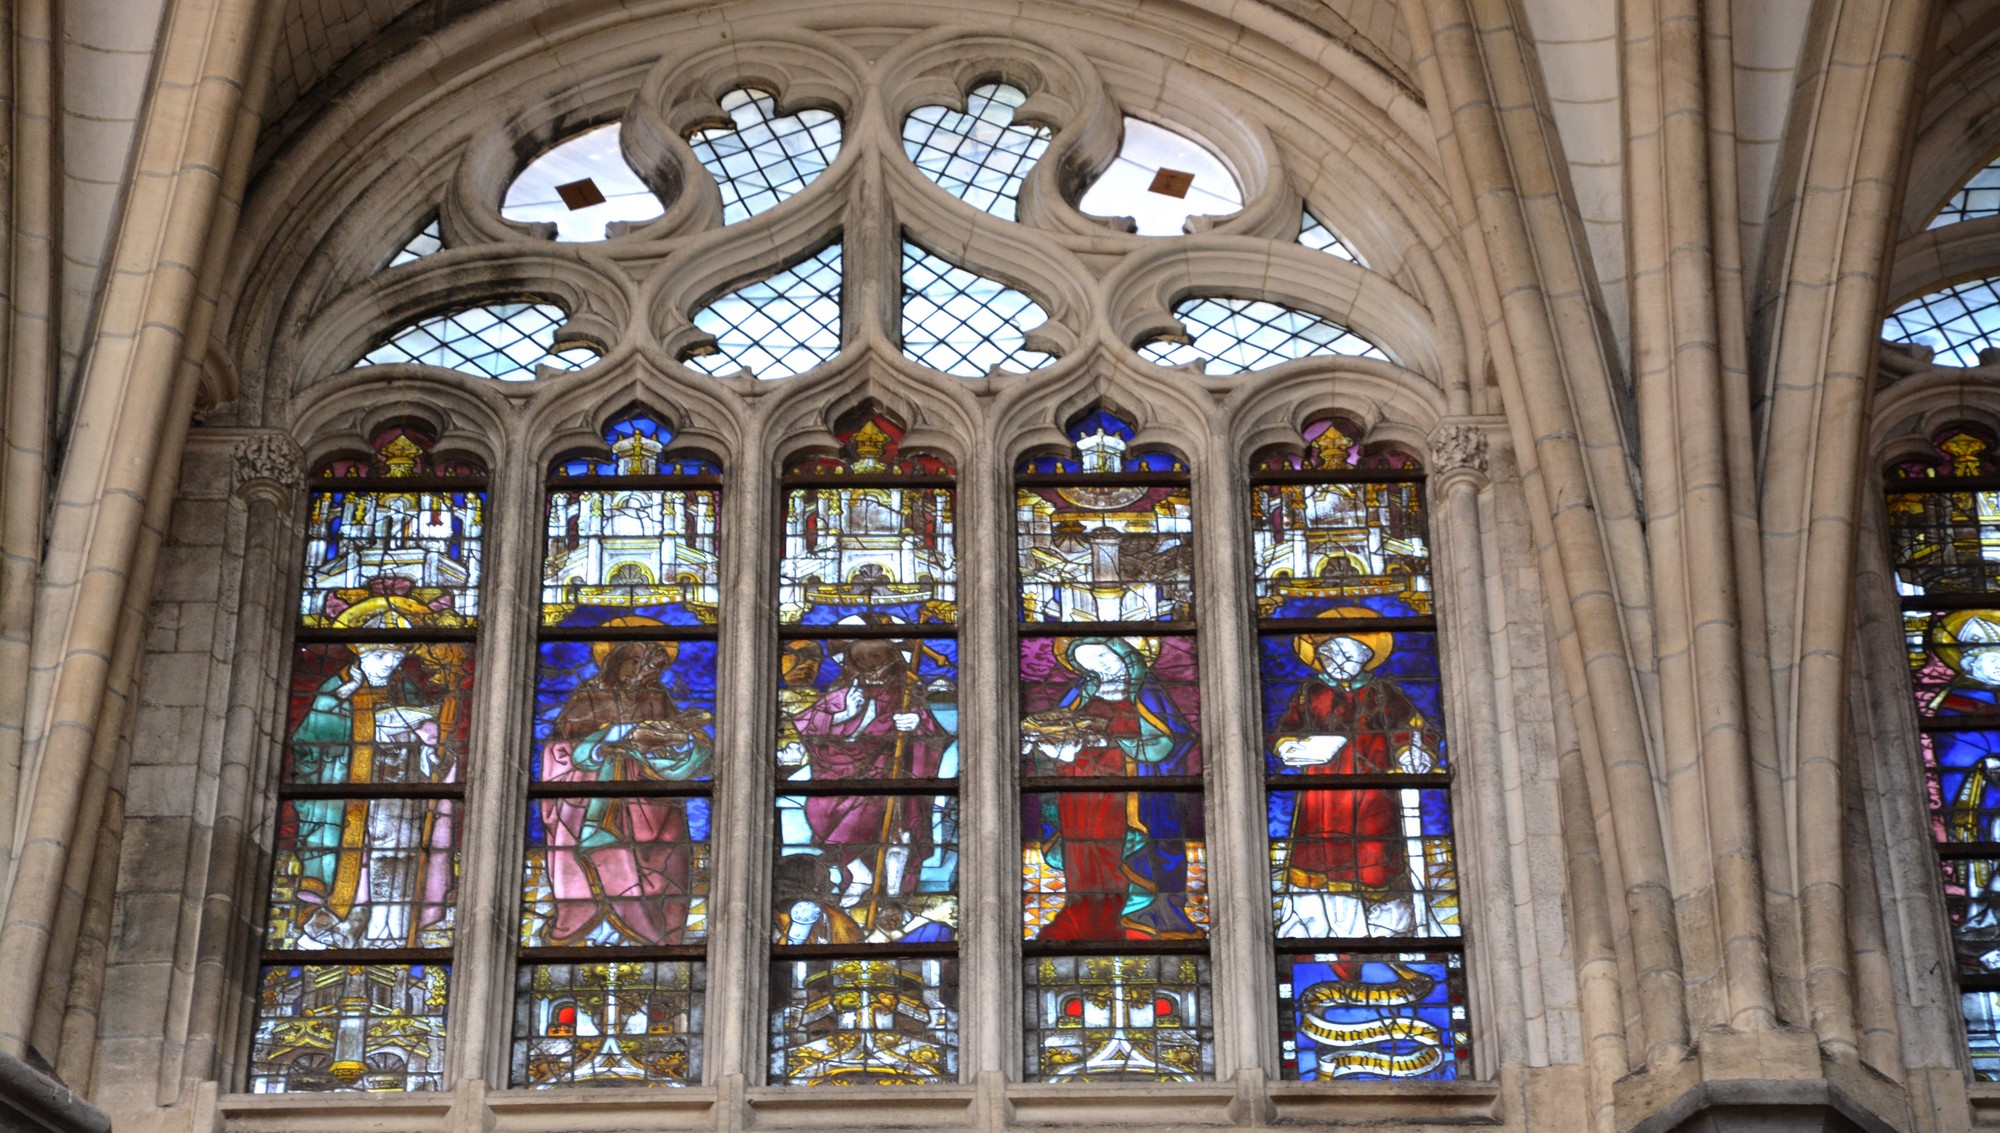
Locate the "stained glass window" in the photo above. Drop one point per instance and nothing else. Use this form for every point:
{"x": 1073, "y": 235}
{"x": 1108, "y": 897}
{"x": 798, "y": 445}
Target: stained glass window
{"x": 1364, "y": 880}
{"x": 980, "y": 154}
{"x": 1160, "y": 179}
{"x": 1230, "y": 336}
{"x": 359, "y": 924}
{"x": 962, "y": 323}
{"x": 1944, "y": 529}
{"x": 781, "y": 325}
{"x": 1114, "y": 889}
{"x": 865, "y": 883}
{"x": 1314, "y": 234}
{"x": 1980, "y": 197}
{"x": 765, "y": 157}
{"x": 1956, "y": 323}
{"x": 581, "y": 186}
{"x": 614, "y": 889}
{"x": 508, "y": 341}
{"x": 428, "y": 240}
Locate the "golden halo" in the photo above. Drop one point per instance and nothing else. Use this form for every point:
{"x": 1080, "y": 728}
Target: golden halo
{"x": 387, "y": 611}
{"x": 1380, "y": 642}
{"x": 1944, "y": 639}
{"x": 1148, "y": 648}
{"x": 599, "y": 650}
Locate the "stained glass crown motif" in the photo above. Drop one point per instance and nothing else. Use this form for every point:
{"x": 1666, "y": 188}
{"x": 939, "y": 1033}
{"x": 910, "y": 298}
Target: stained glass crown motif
{"x": 1333, "y": 444}
{"x": 1959, "y": 450}
{"x": 1103, "y": 442}
{"x": 400, "y": 451}
{"x": 871, "y": 444}
{"x": 638, "y": 444}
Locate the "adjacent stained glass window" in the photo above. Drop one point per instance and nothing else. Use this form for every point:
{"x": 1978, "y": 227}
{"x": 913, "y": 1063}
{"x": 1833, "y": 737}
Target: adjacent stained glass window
{"x": 765, "y": 157}
{"x": 1114, "y": 889}
{"x": 1956, "y": 323}
{"x": 1980, "y": 197}
{"x": 614, "y": 889}
{"x": 962, "y": 323}
{"x": 980, "y": 154}
{"x": 1230, "y": 336}
{"x": 1316, "y": 235}
{"x": 508, "y": 341}
{"x": 864, "y": 986}
{"x": 371, "y": 786}
{"x": 781, "y": 325}
{"x": 1160, "y": 179}
{"x": 1944, "y": 539}
{"x": 428, "y": 241}
{"x": 581, "y": 186}
{"x": 1364, "y": 881}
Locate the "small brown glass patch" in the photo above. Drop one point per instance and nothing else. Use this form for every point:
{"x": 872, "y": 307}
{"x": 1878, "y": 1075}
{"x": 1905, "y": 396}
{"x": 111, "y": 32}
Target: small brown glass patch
{"x": 1171, "y": 183}
{"x": 580, "y": 194}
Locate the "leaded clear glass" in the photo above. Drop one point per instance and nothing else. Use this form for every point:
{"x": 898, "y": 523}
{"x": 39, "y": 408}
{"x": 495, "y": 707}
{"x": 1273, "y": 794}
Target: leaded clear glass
{"x": 965, "y": 324}
{"x": 1980, "y": 197}
{"x": 980, "y": 154}
{"x": 1956, "y": 323}
{"x": 581, "y": 186}
{"x": 1230, "y": 336}
{"x": 781, "y": 325}
{"x": 766, "y": 156}
{"x": 1140, "y": 183}
{"x": 1316, "y": 235}
{"x": 508, "y": 341}
{"x": 427, "y": 241}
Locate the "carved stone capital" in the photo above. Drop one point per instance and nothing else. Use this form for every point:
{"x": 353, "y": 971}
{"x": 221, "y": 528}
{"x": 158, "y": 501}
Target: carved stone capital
{"x": 1458, "y": 449}
{"x": 268, "y": 465}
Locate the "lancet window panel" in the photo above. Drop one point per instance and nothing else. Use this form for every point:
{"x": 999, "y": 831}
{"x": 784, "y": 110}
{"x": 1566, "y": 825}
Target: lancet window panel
{"x": 1944, "y": 522}
{"x": 1114, "y": 880}
{"x": 1364, "y": 877}
{"x": 614, "y": 888}
{"x": 864, "y": 936}
{"x": 359, "y": 927}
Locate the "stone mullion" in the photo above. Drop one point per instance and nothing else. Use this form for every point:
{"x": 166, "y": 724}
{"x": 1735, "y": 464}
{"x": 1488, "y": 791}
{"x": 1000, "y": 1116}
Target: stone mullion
{"x": 1483, "y": 843}
{"x": 744, "y": 785}
{"x": 1242, "y": 968}
{"x": 491, "y": 819}
{"x": 989, "y": 936}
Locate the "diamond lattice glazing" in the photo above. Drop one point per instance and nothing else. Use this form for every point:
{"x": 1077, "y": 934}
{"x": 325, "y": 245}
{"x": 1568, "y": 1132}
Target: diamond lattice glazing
{"x": 979, "y": 155}
{"x": 1231, "y": 336}
{"x": 781, "y": 325}
{"x": 766, "y": 156}
{"x": 964, "y": 324}
{"x": 508, "y": 341}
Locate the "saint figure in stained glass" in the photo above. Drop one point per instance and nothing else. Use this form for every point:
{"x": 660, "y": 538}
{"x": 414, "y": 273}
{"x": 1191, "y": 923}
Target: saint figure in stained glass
{"x": 374, "y": 873}
{"x": 1347, "y": 870}
{"x": 626, "y": 863}
{"x": 1123, "y": 855}
{"x": 876, "y": 718}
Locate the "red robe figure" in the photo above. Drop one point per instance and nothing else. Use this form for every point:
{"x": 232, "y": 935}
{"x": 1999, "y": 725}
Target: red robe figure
{"x": 1348, "y": 874}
